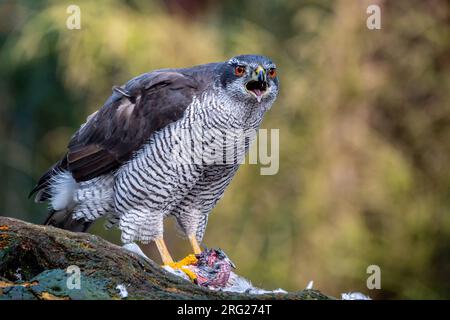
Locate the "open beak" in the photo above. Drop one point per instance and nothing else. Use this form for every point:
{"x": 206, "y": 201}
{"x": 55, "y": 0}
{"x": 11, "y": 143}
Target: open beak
{"x": 258, "y": 84}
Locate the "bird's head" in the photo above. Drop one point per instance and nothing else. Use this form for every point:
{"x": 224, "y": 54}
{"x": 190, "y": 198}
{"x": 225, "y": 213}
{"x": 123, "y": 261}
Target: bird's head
{"x": 250, "y": 78}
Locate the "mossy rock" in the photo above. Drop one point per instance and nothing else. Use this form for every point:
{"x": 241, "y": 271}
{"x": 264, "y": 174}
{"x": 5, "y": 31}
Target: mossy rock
{"x": 34, "y": 261}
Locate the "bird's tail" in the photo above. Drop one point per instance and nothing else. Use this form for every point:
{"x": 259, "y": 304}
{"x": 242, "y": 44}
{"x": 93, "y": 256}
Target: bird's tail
{"x": 63, "y": 219}
{"x": 57, "y": 218}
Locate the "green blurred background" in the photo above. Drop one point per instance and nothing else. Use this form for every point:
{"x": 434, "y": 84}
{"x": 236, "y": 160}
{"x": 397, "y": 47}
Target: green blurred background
{"x": 364, "y": 119}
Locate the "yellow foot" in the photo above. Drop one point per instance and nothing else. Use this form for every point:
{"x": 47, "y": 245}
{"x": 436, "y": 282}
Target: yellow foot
{"x": 183, "y": 263}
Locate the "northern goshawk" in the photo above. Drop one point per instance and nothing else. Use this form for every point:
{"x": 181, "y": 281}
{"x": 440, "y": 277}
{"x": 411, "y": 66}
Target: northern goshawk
{"x": 155, "y": 150}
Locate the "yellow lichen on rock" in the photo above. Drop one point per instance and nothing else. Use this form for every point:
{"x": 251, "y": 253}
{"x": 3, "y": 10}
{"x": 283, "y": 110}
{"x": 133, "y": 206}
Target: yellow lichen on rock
{"x": 49, "y": 296}
{"x": 6, "y": 284}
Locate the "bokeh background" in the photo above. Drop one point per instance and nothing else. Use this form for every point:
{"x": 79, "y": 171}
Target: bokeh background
{"x": 364, "y": 119}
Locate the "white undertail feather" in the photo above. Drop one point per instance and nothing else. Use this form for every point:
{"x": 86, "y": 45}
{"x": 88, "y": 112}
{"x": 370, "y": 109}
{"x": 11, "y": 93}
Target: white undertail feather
{"x": 86, "y": 200}
{"x": 62, "y": 190}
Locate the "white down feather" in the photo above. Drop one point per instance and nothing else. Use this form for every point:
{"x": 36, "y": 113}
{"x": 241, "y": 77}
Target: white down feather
{"x": 62, "y": 190}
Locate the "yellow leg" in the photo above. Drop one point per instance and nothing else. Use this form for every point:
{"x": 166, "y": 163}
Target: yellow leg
{"x": 162, "y": 248}
{"x": 182, "y": 264}
{"x": 194, "y": 244}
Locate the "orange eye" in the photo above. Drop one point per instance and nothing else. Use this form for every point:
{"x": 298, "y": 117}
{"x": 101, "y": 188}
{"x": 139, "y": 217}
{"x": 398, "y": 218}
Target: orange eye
{"x": 239, "y": 71}
{"x": 272, "y": 73}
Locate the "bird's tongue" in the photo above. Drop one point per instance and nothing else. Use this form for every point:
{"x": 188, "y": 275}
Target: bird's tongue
{"x": 258, "y": 94}
{"x": 257, "y": 88}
